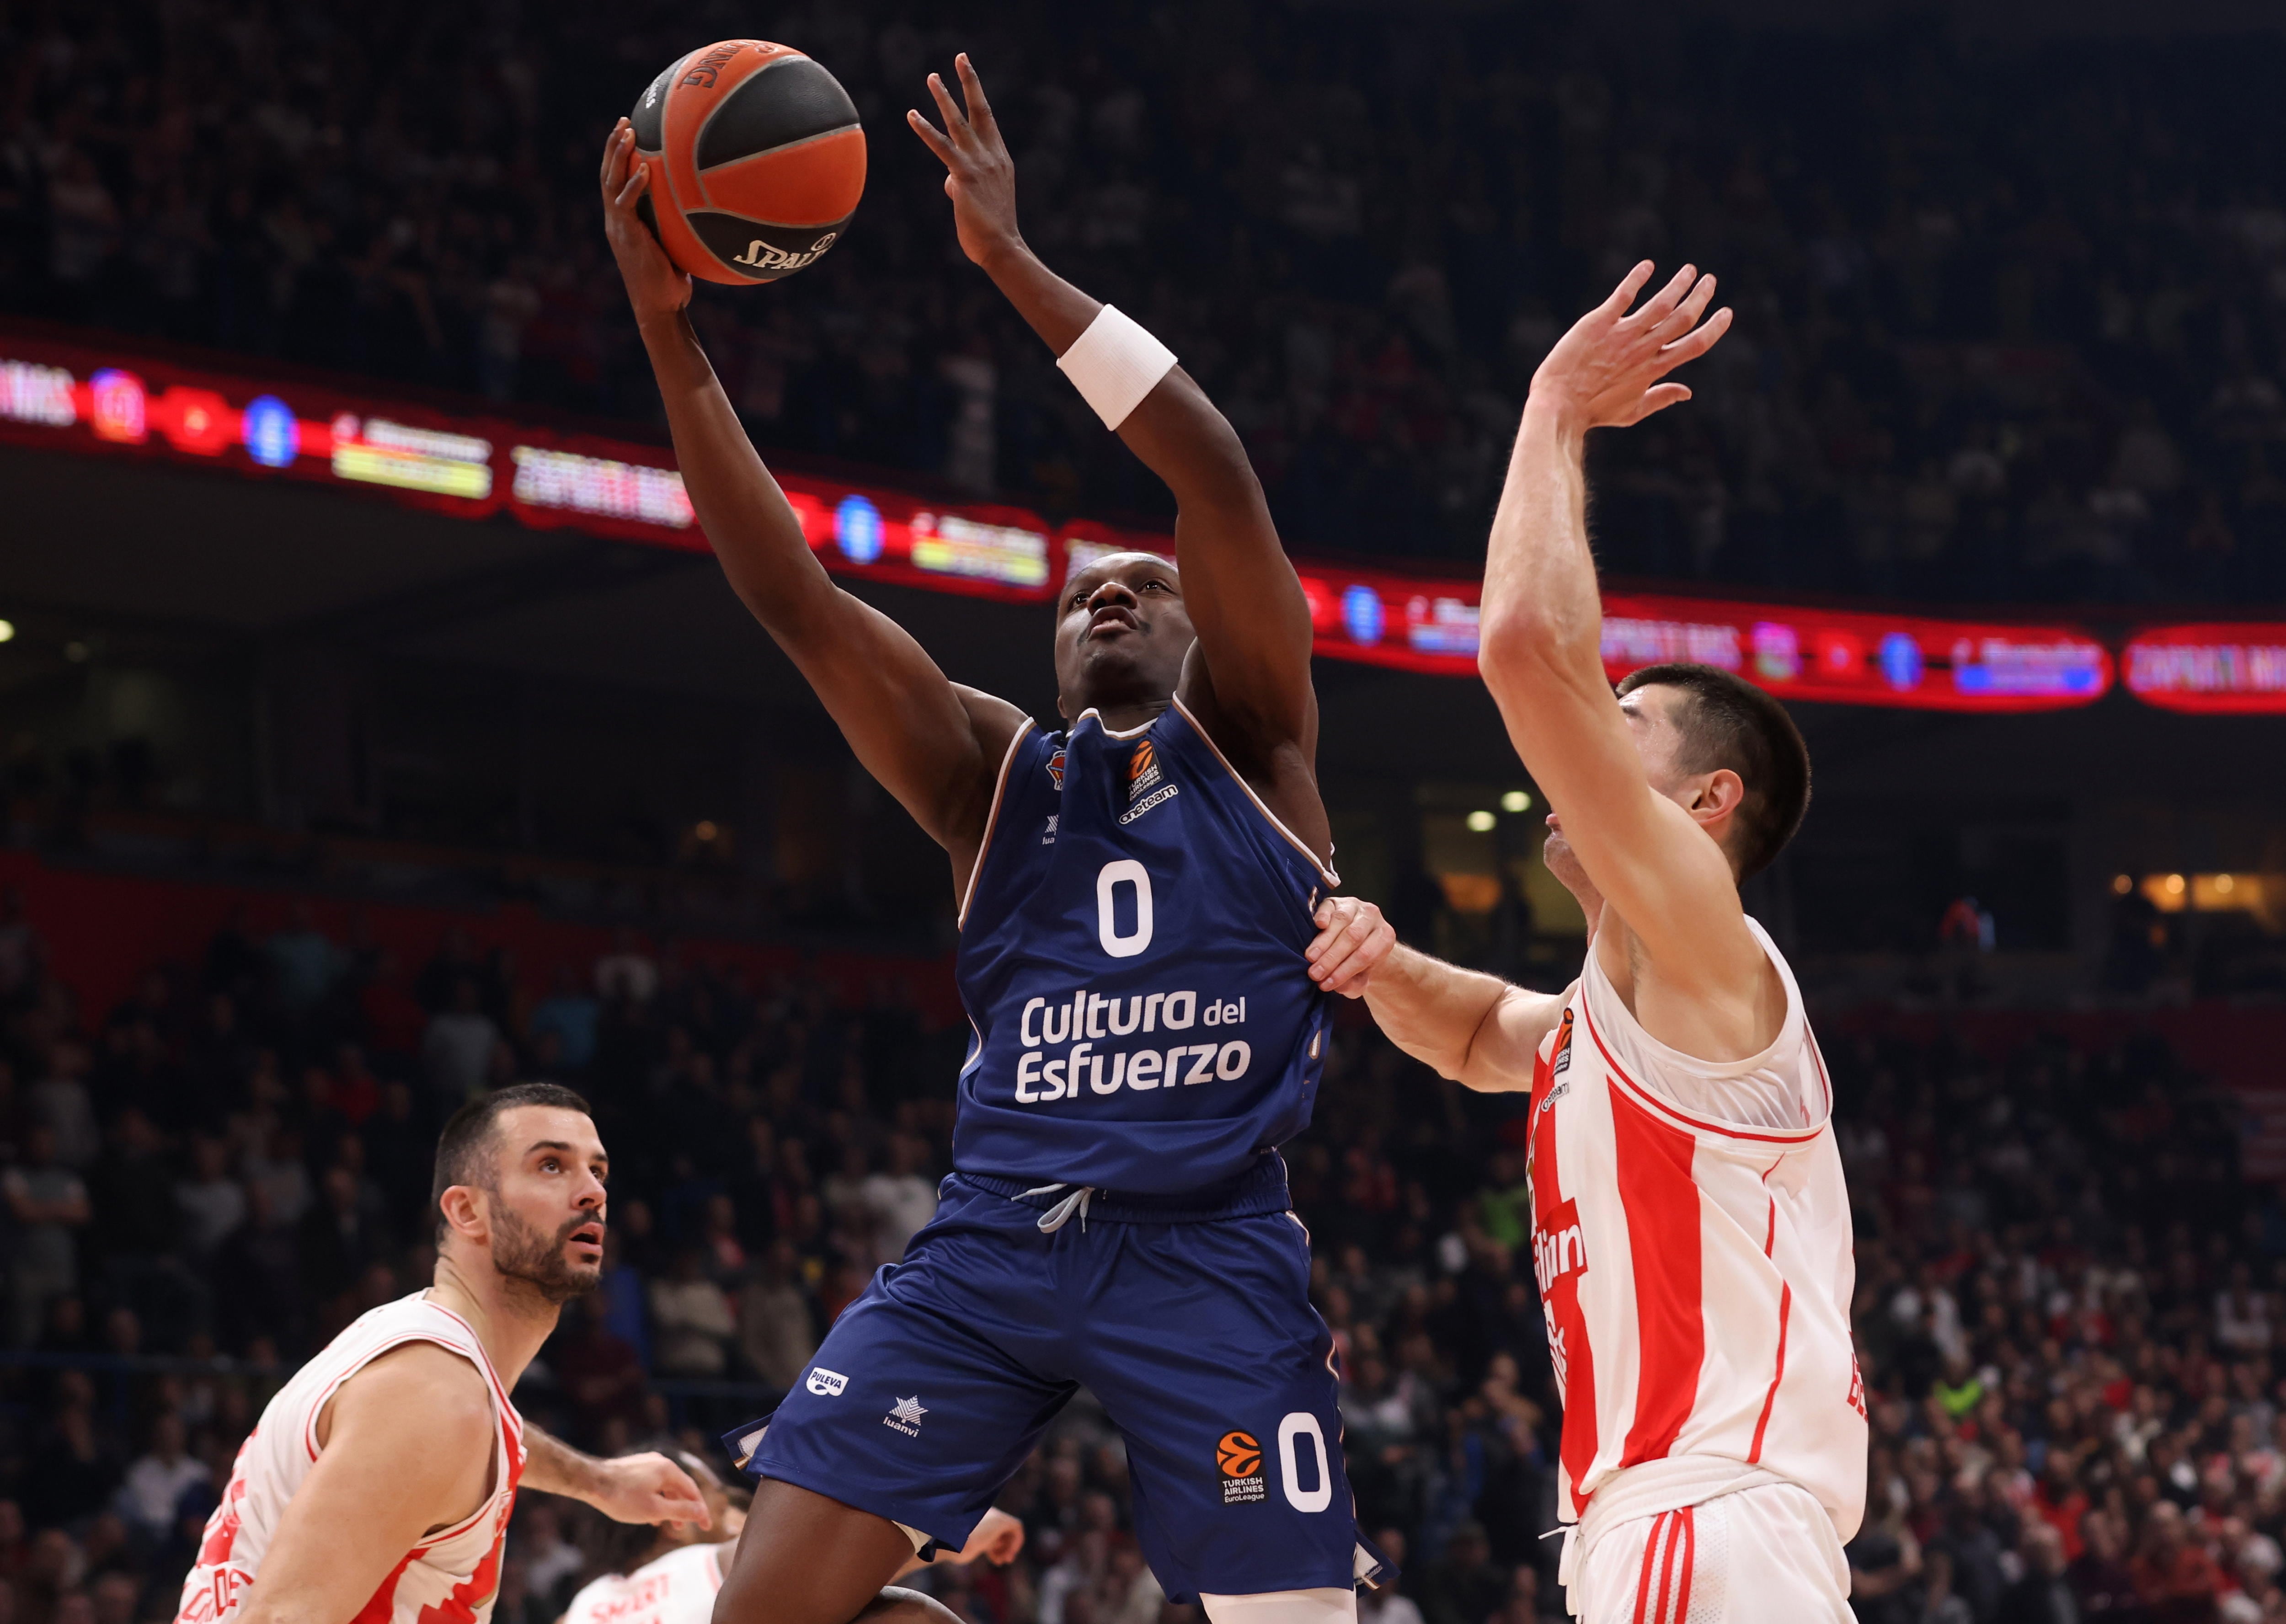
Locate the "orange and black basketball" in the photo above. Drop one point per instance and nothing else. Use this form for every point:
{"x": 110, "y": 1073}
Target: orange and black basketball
{"x": 1238, "y": 1454}
{"x": 756, "y": 158}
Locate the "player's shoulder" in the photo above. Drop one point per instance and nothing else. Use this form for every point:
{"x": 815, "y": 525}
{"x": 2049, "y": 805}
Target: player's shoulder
{"x": 440, "y": 1385}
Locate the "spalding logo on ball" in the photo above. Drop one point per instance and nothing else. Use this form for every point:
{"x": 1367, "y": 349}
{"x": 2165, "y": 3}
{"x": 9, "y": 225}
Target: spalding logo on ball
{"x": 756, "y": 161}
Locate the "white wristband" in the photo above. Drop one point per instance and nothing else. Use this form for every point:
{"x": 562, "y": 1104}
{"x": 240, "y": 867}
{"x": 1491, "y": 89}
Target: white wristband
{"x": 1114, "y": 363}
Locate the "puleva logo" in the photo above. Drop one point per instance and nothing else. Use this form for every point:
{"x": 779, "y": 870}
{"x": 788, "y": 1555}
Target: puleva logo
{"x": 826, "y": 1384}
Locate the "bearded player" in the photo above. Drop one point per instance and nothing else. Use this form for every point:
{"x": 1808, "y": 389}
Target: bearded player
{"x": 1690, "y": 1232}
{"x": 378, "y": 1484}
{"x": 1136, "y": 896}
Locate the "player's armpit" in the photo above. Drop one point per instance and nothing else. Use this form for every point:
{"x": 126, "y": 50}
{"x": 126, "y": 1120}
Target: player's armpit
{"x": 409, "y": 1445}
{"x": 1242, "y": 593}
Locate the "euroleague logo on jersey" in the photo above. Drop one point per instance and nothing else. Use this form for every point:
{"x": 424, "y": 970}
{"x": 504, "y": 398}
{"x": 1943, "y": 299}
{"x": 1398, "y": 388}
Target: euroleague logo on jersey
{"x": 1142, "y": 773}
{"x": 1142, "y": 770}
{"x": 1238, "y": 1457}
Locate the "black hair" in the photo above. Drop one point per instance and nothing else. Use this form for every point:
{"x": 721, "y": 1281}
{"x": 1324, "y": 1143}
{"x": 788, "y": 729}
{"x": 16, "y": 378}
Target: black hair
{"x": 464, "y": 1147}
{"x": 1730, "y": 723}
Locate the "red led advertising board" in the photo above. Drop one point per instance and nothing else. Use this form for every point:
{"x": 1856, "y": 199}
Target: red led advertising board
{"x": 2218, "y": 669}
{"x": 100, "y": 399}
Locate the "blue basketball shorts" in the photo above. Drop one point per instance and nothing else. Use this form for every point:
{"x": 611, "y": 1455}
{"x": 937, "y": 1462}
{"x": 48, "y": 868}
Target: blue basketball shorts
{"x": 1193, "y": 1327}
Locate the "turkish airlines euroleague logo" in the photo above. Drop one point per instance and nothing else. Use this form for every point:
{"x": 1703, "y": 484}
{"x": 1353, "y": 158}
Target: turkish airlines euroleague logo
{"x": 1142, "y": 770}
{"x": 1238, "y": 1457}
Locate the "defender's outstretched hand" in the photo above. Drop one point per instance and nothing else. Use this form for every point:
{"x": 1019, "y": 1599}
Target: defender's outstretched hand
{"x": 1606, "y": 372}
{"x": 980, "y": 178}
{"x": 654, "y": 286}
{"x": 1352, "y": 940}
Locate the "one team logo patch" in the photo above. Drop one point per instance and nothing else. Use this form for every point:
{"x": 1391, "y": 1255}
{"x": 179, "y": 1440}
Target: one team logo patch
{"x": 1238, "y": 1458}
{"x": 1056, "y": 769}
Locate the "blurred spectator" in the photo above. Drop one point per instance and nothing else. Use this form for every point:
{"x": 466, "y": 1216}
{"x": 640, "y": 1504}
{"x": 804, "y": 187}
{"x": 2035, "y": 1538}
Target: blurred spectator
{"x": 152, "y": 1492}
{"x": 569, "y": 1015}
{"x": 457, "y": 1051}
{"x": 48, "y": 1203}
{"x": 692, "y": 1319}
{"x": 627, "y": 971}
{"x": 776, "y": 1330}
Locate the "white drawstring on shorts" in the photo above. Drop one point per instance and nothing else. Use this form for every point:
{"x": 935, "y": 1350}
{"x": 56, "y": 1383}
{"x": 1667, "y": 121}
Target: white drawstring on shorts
{"x": 1056, "y": 1216}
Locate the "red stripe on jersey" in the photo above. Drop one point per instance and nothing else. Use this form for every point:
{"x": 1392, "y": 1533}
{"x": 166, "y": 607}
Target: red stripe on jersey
{"x": 1690, "y": 1560}
{"x": 1650, "y": 1554}
{"x": 384, "y": 1602}
{"x": 460, "y": 1606}
{"x": 1769, "y": 1398}
{"x": 1661, "y": 1200}
{"x": 1556, "y": 1236}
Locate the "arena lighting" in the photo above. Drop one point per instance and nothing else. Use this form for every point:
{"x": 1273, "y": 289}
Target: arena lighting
{"x": 7, "y": 631}
{"x": 1516, "y": 800}
{"x": 70, "y": 396}
{"x": 1481, "y": 822}
{"x": 2122, "y": 884}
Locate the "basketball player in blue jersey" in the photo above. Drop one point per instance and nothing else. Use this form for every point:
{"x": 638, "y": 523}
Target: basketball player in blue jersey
{"x": 1136, "y": 903}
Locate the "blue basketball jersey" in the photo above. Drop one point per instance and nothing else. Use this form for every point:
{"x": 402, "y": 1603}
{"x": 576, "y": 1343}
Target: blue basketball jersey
{"x": 1131, "y": 957}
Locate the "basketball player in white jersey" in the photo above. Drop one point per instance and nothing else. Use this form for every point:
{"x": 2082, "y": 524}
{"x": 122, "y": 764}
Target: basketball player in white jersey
{"x": 672, "y": 1575}
{"x": 1691, "y": 1231}
{"x": 376, "y": 1487}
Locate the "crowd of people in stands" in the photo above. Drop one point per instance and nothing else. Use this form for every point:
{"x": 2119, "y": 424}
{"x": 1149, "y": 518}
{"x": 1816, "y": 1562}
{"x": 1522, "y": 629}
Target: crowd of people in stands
{"x": 2010, "y": 321}
{"x": 2068, "y": 1299}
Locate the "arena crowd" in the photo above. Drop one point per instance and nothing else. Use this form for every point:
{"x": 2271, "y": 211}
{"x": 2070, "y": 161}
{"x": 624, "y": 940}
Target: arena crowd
{"x": 2012, "y": 321}
{"x": 2067, "y": 1308}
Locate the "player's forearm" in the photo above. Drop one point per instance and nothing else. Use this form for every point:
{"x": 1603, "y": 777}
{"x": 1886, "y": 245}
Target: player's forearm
{"x": 554, "y": 1466}
{"x": 1540, "y": 604}
{"x": 1175, "y": 429}
{"x": 753, "y": 528}
{"x": 1430, "y": 1009}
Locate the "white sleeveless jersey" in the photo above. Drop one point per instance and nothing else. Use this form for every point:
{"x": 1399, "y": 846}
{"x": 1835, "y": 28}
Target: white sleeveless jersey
{"x": 1694, "y": 1273}
{"x": 450, "y": 1577}
{"x": 678, "y": 1587}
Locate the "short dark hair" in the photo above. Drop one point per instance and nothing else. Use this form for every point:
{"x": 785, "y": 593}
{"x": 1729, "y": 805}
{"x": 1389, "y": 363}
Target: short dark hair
{"x": 1730, "y": 723}
{"x": 466, "y": 1139}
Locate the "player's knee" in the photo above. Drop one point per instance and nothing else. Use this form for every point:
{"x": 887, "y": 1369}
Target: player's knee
{"x": 1329, "y": 1605}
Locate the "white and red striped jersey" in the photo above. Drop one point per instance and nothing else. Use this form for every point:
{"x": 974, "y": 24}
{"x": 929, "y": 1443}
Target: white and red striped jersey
{"x": 1695, "y": 1268}
{"x": 452, "y": 1577}
{"x": 678, "y": 1588}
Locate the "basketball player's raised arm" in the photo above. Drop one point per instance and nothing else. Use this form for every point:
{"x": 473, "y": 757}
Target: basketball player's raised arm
{"x": 1474, "y": 1028}
{"x": 1244, "y": 601}
{"x": 934, "y": 744}
{"x": 1541, "y": 650}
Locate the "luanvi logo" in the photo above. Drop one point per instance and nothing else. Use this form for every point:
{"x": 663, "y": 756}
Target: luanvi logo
{"x": 761, "y": 257}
